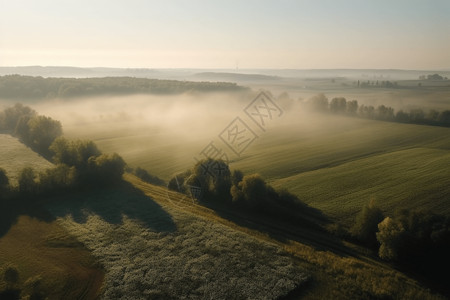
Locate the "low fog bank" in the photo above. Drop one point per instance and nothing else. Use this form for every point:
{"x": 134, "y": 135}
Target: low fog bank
{"x": 166, "y": 134}
{"x": 183, "y": 116}
{"x": 149, "y": 131}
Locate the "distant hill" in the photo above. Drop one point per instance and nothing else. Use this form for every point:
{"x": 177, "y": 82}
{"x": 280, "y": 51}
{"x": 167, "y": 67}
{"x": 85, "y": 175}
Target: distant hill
{"x": 76, "y": 72}
{"x": 219, "y": 74}
{"x": 233, "y": 77}
{"x": 14, "y": 156}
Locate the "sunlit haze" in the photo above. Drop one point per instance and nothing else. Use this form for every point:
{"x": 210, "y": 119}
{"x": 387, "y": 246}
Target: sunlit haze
{"x": 226, "y": 34}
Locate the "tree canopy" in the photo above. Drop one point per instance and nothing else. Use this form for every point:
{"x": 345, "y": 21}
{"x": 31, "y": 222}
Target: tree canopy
{"x": 29, "y": 87}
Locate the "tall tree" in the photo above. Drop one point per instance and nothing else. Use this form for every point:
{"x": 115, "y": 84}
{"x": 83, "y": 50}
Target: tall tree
{"x": 43, "y": 131}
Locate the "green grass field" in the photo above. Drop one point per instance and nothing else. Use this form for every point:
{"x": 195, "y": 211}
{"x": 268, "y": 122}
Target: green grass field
{"x": 341, "y": 164}
{"x": 414, "y": 178}
{"x": 14, "y": 156}
{"x": 140, "y": 236}
{"x": 333, "y": 163}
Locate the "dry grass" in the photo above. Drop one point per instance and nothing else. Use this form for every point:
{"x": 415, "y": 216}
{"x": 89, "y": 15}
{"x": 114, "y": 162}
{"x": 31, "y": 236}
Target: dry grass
{"x": 336, "y": 277}
{"x": 45, "y": 250}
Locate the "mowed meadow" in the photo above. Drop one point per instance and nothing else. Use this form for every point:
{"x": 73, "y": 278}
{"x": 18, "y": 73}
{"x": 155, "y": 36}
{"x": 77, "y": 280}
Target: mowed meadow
{"x": 334, "y": 163}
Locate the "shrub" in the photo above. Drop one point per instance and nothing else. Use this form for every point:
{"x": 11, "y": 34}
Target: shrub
{"x": 213, "y": 177}
{"x": 57, "y": 178}
{"x": 11, "y": 116}
{"x": 147, "y": 177}
{"x": 42, "y": 131}
{"x": 27, "y": 184}
{"x": 11, "y": 275}
{"x": 73, "y": 153}
{"x": 389, "y": 235}
{"x": 252, "y": 191}
{"x": 105, "y": 168}
{"x": 236, "y": 177}
{"x": 318, "y": 103}
{"x": 366, "y": 224}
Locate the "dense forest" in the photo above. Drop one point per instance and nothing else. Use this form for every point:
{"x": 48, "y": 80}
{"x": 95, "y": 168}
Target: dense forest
{"x": 28, "y": 87}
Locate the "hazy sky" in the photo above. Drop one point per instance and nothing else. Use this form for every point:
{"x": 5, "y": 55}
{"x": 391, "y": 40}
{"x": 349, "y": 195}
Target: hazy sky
{"x": 410, "y": 34}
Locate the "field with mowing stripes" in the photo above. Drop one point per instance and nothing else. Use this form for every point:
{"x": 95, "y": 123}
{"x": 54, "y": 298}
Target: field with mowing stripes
{"x": 333, "y": 163}
{"x": 413, "y": 179}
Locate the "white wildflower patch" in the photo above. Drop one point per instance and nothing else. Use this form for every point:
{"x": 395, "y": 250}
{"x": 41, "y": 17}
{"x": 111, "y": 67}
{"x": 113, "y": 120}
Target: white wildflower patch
{"x": 195, "y": 259}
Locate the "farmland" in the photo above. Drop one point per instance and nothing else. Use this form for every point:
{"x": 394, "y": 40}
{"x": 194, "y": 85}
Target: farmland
{"x": 333, "y": 163}
{"x": 127, "y": 240}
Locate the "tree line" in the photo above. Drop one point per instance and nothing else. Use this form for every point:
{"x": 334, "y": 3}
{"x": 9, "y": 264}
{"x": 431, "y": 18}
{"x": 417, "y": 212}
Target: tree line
{"x": 340, "y": 105}
{"x": 35, "y": 131}
{"x": 432, "y": 77}
{"x": 29, "y": 87}
{"x": 211, "y": 181}
{"x": 78, "y": 163}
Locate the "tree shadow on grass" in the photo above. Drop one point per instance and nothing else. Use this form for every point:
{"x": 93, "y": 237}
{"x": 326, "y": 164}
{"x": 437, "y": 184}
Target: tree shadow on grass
{"x": 8, "y": 294}
{"x": 10, "y": 212}
{"x": 112, "y": 204}
{"x": 305, "y": 226}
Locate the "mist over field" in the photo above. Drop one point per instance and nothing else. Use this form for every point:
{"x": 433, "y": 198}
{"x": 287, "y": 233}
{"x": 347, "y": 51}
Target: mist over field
{"x": 183, "y": 115}
{"x": 224, "y": 150}
{"x": 321, "y": 168}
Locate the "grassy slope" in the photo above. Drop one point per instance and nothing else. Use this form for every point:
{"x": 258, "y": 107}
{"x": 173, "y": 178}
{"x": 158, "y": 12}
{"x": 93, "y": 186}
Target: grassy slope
{"x": 38, "y": 248}
{"x": 412, "y": 178}
{"x": 150, "y": 246}
{"x": 14, "y": 156}
{"x": 342, "y": 163}
{"x": 328, "y": 141}
{"x": 333, "y": 275}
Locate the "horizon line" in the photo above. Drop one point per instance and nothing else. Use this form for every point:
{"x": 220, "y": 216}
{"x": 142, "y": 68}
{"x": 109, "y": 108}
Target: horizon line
{"x": 219, "y": 68}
